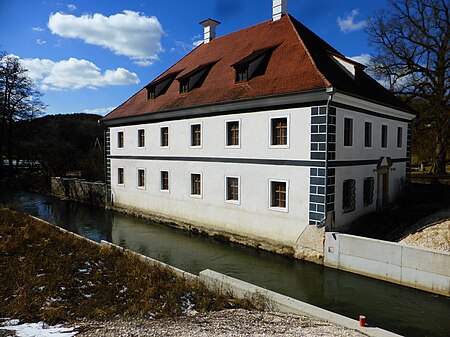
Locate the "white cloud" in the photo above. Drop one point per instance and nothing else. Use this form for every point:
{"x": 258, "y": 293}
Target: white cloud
{"x": 72, "y": 7}
{"x": 129, "y": 33}
{"x": 73, "y": 74}
{"x": 363, "y": 59}
{"x": 38, "y": 29}
{"x": 347, "y": 24}
{"x": 39, "y": 41}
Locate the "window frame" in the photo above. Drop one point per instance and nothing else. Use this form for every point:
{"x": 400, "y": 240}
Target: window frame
{"x": 191, "y": 186}
{"x": 384, "y": 136}
{"x": 365, "y": 134}
{"x": 232, "y": 146}
{"x": 141, "y": 187}
{"x": 226, "y": 190}
{"x": 399, "y": 137}
{"x": 191, "y": 135}
{"x": 141, "y": 146}
{"x": 121, "y": 176}
{"x": 346, "y": 136}
{"x": 352, "y": 197}
{"x": 286, "y": 193}
{"x": 120, "y": 139}
{"x": 161, "y": 181}
{"x": 271, "y": 132}
{"x": 161, "y": 136}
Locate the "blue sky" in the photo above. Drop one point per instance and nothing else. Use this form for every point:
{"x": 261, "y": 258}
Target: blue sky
{"x": 92, "y": 55}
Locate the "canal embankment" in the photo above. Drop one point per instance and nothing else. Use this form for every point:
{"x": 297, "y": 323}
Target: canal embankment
{"x": 404, "y": 310}
{"x": 50, "y": 274}
{"x": 78, "y": 190}
{"x": 415, "y": 267}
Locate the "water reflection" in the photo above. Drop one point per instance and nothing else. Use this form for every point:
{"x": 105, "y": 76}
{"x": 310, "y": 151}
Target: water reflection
{"x": 395, "y": 308}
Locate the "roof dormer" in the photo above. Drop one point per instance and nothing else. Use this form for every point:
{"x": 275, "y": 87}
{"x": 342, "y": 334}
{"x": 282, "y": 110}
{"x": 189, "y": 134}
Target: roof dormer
{"x": 160, "y": 86}
{"x": 194, "y": 78}
{"x": 351, "y": 67}
{"x": 253, "y": 65}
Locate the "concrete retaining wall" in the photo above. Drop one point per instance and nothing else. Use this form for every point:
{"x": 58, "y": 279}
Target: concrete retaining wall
{"x": 241, "y": 289}
{"x": 410, "y": 266}
{"x": 79, "y": 190}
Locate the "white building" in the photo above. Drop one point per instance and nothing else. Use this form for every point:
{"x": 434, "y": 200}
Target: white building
{"x": 232, "y": 139}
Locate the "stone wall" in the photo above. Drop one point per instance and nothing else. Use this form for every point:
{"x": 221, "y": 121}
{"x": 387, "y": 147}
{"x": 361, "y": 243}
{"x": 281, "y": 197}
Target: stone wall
{"x": 79, "y": 190}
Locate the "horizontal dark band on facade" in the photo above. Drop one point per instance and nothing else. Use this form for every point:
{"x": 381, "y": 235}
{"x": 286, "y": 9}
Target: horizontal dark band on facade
{"x": 278, "y": 162}
{"x": 368, "y": 112}
{"x": 342, "y": 163}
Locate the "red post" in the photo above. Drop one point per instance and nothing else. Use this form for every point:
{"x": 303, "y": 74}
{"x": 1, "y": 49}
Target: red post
{"x": 362, "y": 320}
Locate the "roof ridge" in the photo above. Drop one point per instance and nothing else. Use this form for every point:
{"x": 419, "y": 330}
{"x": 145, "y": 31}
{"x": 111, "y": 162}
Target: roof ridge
{"x": 327, "y": 82}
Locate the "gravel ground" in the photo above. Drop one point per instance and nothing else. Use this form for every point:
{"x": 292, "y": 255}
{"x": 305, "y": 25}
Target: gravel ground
{"x": 231, "y": 322}
{"x": 435, "y": 237}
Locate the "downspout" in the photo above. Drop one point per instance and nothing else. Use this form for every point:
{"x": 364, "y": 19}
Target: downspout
{"x": 330, "y": 91}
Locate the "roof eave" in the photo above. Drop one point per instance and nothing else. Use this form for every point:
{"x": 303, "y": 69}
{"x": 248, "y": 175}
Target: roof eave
{"x": 223, "y": 108}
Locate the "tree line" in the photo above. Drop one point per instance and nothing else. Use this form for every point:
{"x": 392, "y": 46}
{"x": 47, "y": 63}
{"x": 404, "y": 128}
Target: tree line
{"x": 55, "y": 145}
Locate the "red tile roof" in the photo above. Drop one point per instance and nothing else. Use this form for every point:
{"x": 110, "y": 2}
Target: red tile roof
{"x": 300, "y": 62}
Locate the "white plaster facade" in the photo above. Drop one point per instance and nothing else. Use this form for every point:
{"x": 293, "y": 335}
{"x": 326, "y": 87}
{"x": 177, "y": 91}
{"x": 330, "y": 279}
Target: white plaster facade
{"x": 252, "y": 215}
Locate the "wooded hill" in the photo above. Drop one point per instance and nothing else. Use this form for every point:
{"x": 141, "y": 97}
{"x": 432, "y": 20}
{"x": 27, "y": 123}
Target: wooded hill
{"x": 60, "y": 144}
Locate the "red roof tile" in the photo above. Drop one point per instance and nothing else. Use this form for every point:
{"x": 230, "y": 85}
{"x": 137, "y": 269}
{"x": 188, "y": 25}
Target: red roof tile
{"x": 299, "y": 63}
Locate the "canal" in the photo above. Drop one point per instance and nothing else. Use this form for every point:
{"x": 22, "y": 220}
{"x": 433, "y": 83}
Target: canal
{"x": 395, "y": 308}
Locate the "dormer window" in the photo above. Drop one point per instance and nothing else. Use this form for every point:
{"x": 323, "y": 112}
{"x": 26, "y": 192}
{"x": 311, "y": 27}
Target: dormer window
{"x": 160, "y": 86}
{"x": 253, "y": 65}
{"x": 194, "y": 78}
{"x": 184, "y": 86}
{"x": 242, "y": 73}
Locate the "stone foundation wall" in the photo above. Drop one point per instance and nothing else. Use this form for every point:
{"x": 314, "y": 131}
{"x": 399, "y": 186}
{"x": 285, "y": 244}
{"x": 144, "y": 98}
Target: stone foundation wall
{"x": 79, "y": 190}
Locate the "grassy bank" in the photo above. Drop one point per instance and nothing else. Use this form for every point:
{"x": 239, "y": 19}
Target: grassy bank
{"x": 51, "y": 276}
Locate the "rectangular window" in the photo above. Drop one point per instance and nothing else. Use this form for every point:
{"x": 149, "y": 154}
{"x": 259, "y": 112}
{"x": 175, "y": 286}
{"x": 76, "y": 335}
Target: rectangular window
{"x": 141, "y": 138}
{"x": 384, "y": 135}
{"x": 348, "y": 132}
{"x": 196, "y": 184}
{"x": 279, "y": 131}
{"x": 164, "y": 136}
{"x": 196, "y": 135}
{"x": 399, "y": 137}
{"x": 278, "y": 194}
{"x": 120, "y": 176}
{"x": 368, "y": 191}
{"x": 348, "y": 196}
{"x": 242, "y": 73}
{"x": 368, "y": 134}
{"x": 164, "y": 181}
{"x": 233, "y": 133}
{"x": 232, "y": 189}
{"x": 120, "y": 139}
{"x": 141, "y": 178}
{"x": 184, "y": 86}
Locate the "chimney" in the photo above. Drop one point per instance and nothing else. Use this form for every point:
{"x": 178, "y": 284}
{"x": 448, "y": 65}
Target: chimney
{"x": 210, "y": 29}
{"x": 279, "y": 8}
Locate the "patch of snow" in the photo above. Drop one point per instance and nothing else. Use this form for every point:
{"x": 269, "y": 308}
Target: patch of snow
{"x": 38, "y": 329}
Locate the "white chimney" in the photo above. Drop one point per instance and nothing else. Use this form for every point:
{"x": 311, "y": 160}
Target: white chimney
{"x": 209, "y": 29}
{"x": 279, "y": 8}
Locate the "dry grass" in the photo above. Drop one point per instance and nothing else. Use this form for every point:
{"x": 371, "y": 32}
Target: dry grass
{"x": 51, "y": 276}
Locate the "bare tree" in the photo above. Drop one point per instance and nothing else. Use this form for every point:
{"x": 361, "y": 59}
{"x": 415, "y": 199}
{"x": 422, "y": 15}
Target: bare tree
{"x": 411, "y": 38}
{"x": 19, "y": 99}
